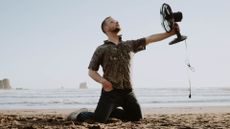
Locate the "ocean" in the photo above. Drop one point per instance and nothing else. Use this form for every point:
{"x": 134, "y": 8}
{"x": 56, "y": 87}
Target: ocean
{"x": 88, "y": 98}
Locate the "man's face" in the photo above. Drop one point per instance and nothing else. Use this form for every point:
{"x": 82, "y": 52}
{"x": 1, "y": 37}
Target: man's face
{"x": 112, "y": 25}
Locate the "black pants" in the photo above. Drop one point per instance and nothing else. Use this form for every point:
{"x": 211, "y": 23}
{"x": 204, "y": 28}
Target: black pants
{"x": 109, "y": 103}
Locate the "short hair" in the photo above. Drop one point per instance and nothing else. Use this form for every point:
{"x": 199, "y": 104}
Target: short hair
{"x": 103, "y": 24}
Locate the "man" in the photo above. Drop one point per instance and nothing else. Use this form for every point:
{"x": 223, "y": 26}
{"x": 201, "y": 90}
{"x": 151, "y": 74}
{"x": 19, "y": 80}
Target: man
{"x": 117, "y": 98}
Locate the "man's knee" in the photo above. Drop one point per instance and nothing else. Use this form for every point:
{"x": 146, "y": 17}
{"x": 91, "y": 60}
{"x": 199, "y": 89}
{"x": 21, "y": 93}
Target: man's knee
{"x": 135, "y": 118}
{"x": 134, "y": 112}
{"x": 100, "y": 118}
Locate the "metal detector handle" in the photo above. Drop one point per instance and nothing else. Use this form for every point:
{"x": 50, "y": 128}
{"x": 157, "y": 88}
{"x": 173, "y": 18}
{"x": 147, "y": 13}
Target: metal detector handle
{"x": 176, "y": 26}
{"x": 178, "y": 34}
{"x": 179, "y": 37}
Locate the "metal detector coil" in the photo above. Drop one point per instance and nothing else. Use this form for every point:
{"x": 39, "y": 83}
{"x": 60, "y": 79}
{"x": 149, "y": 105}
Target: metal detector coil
{"x": 169, "y": 19}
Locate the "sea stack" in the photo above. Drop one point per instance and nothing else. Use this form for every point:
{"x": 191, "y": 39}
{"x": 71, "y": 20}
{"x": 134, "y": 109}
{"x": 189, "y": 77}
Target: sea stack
{"x": 5, "y": 84}
{"x": 1, "y": 84}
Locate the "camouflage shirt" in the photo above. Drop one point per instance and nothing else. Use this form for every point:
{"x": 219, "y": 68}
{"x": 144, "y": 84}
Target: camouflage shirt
{"x": 115, "y": 61}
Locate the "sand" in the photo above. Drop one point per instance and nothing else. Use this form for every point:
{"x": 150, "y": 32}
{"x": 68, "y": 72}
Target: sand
{"x": 154, "y": 118}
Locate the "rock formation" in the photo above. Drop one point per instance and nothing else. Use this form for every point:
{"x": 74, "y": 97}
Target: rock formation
{"x": 1, "y": 84}
{"x": 5, "y": 84}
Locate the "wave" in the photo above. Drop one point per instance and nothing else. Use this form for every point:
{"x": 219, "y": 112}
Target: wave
{"x": 79, "y": 98}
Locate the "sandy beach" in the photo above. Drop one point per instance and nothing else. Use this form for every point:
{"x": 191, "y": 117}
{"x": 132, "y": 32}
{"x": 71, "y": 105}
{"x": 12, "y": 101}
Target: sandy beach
{"x": 154, "y": 118}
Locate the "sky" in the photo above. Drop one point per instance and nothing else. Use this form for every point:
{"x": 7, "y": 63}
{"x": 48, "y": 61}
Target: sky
{"x": 49, "y": 43}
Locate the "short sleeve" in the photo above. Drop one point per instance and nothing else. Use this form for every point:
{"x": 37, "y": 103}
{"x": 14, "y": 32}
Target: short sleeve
{"x": 137, "y": 45}
{"x": 96, "y": 59}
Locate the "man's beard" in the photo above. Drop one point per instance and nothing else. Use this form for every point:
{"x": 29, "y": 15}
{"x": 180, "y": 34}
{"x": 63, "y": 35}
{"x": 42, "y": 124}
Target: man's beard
{"x": 116, "y": 30}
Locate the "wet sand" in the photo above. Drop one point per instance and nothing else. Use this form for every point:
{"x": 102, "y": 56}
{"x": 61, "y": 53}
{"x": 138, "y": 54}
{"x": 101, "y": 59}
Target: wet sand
{"x": 154, "y": 118}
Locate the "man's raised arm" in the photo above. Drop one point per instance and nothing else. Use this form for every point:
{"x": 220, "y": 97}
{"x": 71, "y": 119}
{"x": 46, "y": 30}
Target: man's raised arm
{"x": 160, "y": 36}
